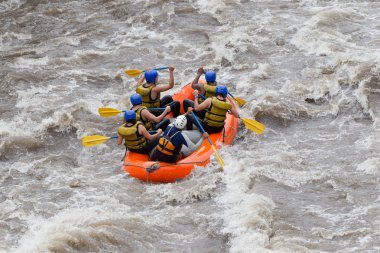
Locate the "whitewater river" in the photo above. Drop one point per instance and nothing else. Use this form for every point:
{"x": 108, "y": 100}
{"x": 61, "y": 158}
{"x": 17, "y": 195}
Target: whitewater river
{"x": 310, "y": 71}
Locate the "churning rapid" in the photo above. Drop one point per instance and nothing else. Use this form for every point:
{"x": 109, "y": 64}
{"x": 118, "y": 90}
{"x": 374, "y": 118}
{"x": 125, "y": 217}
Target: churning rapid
{"x": 310, "y": 71}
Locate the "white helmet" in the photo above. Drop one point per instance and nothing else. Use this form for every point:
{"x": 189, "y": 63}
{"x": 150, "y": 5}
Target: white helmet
{"x": 180, "y": 122}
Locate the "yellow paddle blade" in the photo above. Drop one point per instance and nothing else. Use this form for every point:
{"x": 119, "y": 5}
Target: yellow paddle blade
{"x": 240, "y": 101}
{"x": 108, "y": 112}
{"x": 93, "y": 140}
{"x": 133, "y": 72}
{"x": 253, "y": 125}
{"x": 218, "y": 157}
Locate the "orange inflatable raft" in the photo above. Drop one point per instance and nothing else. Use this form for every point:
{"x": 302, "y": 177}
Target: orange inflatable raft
{"x": 138, "y": 165}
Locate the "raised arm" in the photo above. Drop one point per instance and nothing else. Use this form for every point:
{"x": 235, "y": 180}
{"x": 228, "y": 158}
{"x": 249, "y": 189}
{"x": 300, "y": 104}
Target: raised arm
{"x": 141, "y": 80}
{"x": 195, "y": 85}
{"x": 165, "y": 87}
{"x": 205, "y": 104}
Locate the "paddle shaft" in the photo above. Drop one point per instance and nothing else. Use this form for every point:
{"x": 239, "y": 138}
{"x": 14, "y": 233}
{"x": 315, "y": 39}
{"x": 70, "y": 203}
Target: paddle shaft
{"x": 156, "y": 109}
{"x": 218, "y": 157}
{"x": 202, "y": 96}
{"x": 115, "y": 137}
{"x": 137, "y": 72}
{"x": 200, "y": 126}
{"x": 162, "y": 68}
{"x": 151, "y": 132}
{"x": 206, "y": 98}
{"x": 152, "y": 109}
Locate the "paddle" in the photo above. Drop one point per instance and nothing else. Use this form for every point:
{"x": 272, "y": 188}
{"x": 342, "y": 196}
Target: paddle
{"x": 240, "y": 101}
{"x": 253, "y": 125}
{"x": 109, "y": 112}
{"x": 93, "y": 140}
{"x": 137, "y": 72}
{"x": 218, "y": 157}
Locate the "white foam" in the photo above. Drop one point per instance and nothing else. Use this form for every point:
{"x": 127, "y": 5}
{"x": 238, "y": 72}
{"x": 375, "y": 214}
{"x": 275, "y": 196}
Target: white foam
{"x": 130, "y": 37}
{"x": 10, "y": 37}
{"x": 350, "y": 63}
{"x": 319, "y": 35}
{"x": 69, "y": 40}
{"x": 200, "y": 184}
{"x": 7, "y": 206}
{"x": 26, "y": 124}
{"x": 43, "y": 233}
{"x": 340, "y": 224}
{"x": 30, "y": 63}
{"x": 239, "y": 40}
{"x": 215, "y": 7}
{"x": 40, "y": 100}
{"x": 247, "y": 216}
{"x": 370, "y": 166}
{"x": 32, "y": 96}
{"x": 9, "y": 5}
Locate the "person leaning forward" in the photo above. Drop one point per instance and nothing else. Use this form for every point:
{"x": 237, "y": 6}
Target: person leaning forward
{"x": 216, "y": 110}
{"x": 171, "y": 142}
{"x": 150, "y": 121}
{"x": 205, "y": 90}
{"x": 151, "y": 93}
{"x": 136, "y": 137}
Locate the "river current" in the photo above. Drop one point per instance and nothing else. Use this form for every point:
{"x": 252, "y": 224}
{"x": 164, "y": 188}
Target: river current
{"x": 310, "y": 71}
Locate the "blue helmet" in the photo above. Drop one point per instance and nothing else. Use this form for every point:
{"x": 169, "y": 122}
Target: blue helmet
{"x": 136, "y": 99}
{"x": 150, "y": 76}
{"x": 210, "y": 76}
{"x": 129, "y": 115}
{"x": 222, "y": 90}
